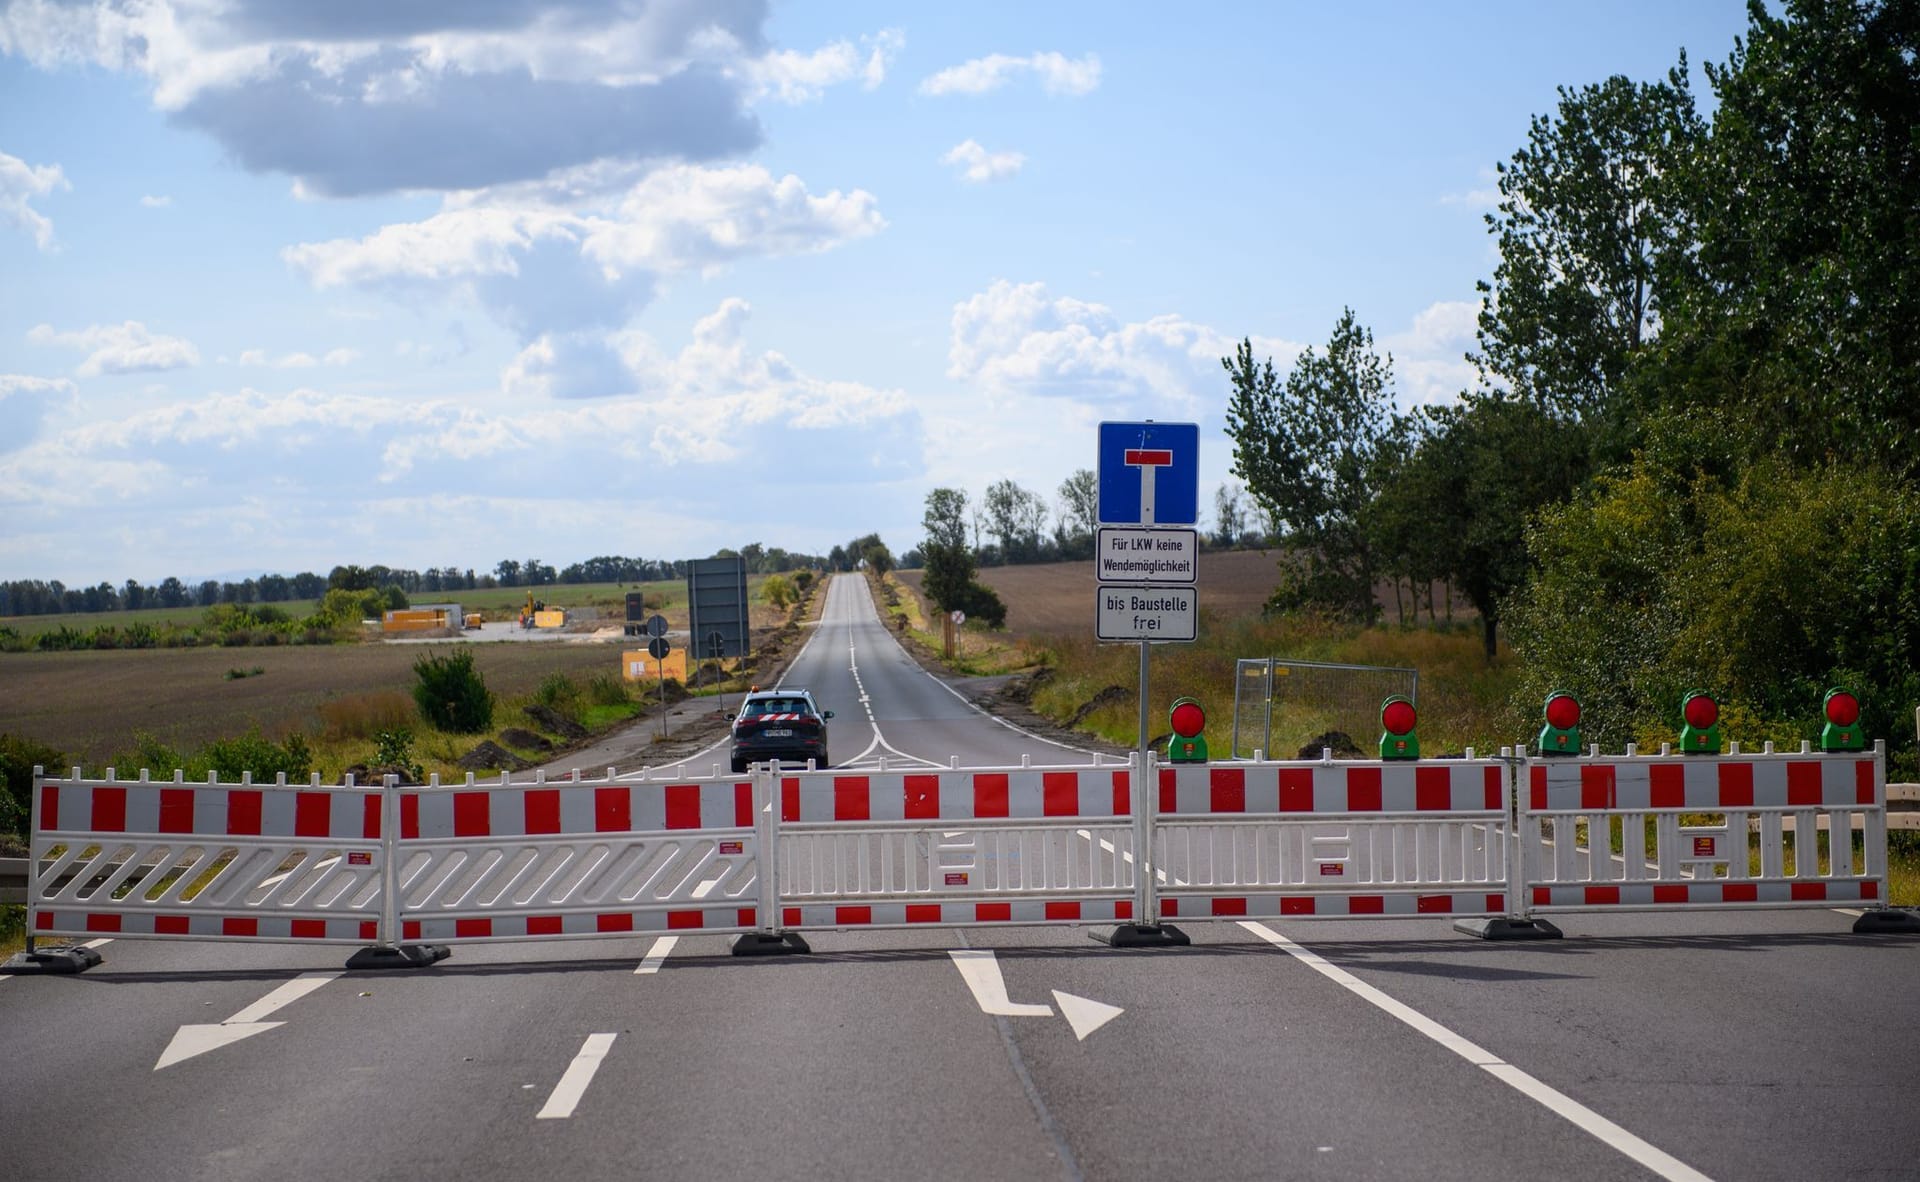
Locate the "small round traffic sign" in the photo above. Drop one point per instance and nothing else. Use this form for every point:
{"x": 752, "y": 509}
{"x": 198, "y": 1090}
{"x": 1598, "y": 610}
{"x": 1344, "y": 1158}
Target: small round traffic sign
{"x": 959, "y": 617}
{"x": 656, "y": 625}
{"x": 658, "y": 647}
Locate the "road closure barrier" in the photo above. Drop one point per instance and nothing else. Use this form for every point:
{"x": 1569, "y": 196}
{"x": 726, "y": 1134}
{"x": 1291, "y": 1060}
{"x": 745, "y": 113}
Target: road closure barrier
{"x": 1495, "y": 843}
{"x": 1696, "y": 832}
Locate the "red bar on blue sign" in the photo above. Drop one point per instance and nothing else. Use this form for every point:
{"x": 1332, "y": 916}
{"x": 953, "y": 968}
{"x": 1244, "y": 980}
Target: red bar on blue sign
{"x": 1149, "y": 457}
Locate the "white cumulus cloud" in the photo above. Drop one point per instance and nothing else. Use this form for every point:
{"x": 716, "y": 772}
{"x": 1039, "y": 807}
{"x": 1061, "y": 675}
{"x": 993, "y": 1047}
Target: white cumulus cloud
{"x": 20, "y": 183}
{"x": 979, "y": 165}
{"x": 794, "y": 77}
{"x": 119, "y": 348}
{"x": 1058, "y": 74}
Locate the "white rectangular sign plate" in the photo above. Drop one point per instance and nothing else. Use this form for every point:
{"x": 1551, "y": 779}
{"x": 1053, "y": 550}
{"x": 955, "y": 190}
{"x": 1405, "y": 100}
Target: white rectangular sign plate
{"x": 1142, "y": 611}
{"x": 1147, "y": 555}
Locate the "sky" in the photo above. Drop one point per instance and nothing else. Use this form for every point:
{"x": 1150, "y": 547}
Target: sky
{"x": 289, "y": 285}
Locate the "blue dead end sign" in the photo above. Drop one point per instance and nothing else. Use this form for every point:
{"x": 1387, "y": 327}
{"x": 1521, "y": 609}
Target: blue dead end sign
{"x": 1149, "y": 473}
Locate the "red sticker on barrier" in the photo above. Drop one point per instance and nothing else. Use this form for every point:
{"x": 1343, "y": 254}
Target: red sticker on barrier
{"x": 1703, "y": 847}
{"x": 1332, "y": 869}
{"x": 732, "y": 847}
{"x": 359, "y": 857}
{"x": 957, "y": 879}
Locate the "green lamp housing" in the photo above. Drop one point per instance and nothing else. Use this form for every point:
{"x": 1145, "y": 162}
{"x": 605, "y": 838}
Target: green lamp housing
{"x": 1399, "y": 738}
{"x": 1561, "y": 733}
{"x": 1189, "y": 720}
{"x": 1842, "y": 731}
{"x": 1700, "y": 716}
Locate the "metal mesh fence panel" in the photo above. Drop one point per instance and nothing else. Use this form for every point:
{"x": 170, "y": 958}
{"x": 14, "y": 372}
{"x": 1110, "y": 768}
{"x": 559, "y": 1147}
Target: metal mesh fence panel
{"x": 1283, "y": 706}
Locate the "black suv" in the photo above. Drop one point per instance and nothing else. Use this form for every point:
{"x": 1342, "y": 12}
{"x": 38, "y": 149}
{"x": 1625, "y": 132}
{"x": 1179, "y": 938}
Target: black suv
{"x": 779, "y": 724}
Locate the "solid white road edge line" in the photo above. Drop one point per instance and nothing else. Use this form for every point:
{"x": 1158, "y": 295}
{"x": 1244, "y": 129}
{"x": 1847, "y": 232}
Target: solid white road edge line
{"x": 1586, "y": 1119}
{"x": 573, "y": 1085}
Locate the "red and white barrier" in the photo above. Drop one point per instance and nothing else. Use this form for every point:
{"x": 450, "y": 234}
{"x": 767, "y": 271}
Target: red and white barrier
{"x": 1699, "y": 832}
{"x": 207, "y": 861}
{"x": 1328, "y": 839}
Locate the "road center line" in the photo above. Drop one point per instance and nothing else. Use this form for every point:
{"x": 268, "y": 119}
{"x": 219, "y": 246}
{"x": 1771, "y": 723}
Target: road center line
{"x": 573, "y": 1085}
{"x": 1586, "y": 1119}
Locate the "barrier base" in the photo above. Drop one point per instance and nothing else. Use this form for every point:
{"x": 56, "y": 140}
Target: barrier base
{"x": 769, "y": 944}
{"x": 1888, "y": 919}
{"x": 1505, "y": 927}
{"x": 399, "y": 956}
{"x": 1135, "y": 935}
{"x": 59, "y": 960}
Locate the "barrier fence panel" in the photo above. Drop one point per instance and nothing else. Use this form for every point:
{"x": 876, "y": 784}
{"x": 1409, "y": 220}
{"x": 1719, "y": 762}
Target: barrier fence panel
{"x": 1703, "y": 831}
{"x": 206, "y": 861}
{"x": 1333, "y": 839}
{"x": 956, "y": 848}
{"x": 538, "y": 860}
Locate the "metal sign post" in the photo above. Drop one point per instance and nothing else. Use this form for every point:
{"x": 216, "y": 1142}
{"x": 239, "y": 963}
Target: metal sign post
{"x": 1149, "y": 473}
{"x": 716, "y": 651}
{"x": 658, "y": 648}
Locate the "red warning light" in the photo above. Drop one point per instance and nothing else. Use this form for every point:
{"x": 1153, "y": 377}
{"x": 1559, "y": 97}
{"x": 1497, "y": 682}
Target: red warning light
{"x": 1399, "y": 717}
{"x": 1701, "y": 711}
{"x": 1188, "y": 719}
{"x": 1843, "y": 709}
{"x": 1563, "y": 712}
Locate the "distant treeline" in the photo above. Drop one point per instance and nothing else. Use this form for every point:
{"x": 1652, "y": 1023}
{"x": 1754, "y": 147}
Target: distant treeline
{"x": 34, "y": 597}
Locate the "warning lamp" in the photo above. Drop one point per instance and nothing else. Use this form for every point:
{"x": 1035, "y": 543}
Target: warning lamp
{"x": 1843, "y": 731}
{"x": 1188, "y": 745}
{"x": 1561, "y": 734}
{"x": 1397, "y": 720}
{"x": 1701, "y": 733}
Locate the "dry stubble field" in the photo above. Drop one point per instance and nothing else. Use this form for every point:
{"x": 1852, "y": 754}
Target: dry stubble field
{"x": 91, "y": 704}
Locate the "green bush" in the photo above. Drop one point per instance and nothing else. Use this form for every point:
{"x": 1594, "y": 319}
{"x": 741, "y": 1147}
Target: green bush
{"x": 18, "y": 757}
{"x": 451, "y": 693}
{"x": 394, "y": 749}
{"x": 559, "y": 692}
{"x": 1764, "y": 589}
{"x": 254, "y": 753}
{"x": 606, "y": 689}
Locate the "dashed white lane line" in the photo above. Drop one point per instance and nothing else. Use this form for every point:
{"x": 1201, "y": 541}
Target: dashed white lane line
{"x": 573, "y": 1085}
{"x": 1586, "y": 1119}
{"x": 656, "y": 956}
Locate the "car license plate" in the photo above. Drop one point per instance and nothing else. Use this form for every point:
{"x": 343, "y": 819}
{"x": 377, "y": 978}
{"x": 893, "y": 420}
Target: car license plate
{"x": 777, "y": 732}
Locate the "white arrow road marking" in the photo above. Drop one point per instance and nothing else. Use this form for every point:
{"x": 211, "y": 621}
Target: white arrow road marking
{"x": 189, "y": 1041}
{"x": 1586, "y": 1119}
{"x": 1084, "y": 1014}
{"x": 982, "y": 974}
{"x": 573, "y": 1085}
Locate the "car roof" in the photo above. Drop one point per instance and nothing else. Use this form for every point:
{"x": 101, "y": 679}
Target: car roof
{"x": 780, "y": 693}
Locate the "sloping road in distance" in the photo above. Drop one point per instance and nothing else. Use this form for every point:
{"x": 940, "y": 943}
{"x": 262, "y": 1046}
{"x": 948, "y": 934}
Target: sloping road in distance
{"x": 1719, "y": 1045}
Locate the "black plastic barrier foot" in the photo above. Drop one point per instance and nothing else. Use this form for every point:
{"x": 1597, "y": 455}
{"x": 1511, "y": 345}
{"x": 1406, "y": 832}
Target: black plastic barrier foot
{"x": 769, "y": 944}
{"x": 1882, "y": 920}
{"x": 399, "y": 956}
{"x": 1135, "y": 935}
{"x": 53, "y": 960}
{"x": 1505, "y": 927}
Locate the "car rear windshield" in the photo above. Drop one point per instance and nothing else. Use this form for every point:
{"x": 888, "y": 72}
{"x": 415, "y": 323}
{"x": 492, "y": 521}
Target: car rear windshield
{"x": 776, "y": 706}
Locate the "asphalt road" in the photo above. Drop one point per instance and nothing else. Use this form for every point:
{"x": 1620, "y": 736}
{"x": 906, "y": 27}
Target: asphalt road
{"x": 1723, "y": 1045}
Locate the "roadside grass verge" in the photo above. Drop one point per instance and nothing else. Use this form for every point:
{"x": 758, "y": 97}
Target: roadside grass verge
{"x": 977, "y": 652}
{"x": 1464, "y": 701}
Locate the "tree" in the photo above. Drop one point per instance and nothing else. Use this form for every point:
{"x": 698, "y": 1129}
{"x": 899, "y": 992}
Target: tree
{"x": 1799, "y": 328}
{"x": 949, "y": 560}
{"x": 1228, "y": 514}
{"x": 1456, "y": 501}
{"x": 1306, "y": 450}
{"x": 1592, "y": 220}
{"x": 1016, "y": 517}
{"x": 1080, "y": 502}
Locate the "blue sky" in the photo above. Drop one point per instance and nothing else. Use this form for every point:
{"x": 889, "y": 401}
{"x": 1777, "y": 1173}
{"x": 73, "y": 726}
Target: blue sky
{"x": 289, "y": 285}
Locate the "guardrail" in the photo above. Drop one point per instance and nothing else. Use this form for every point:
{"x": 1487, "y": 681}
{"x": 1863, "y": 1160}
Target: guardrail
{"x": 13, "y": 881}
